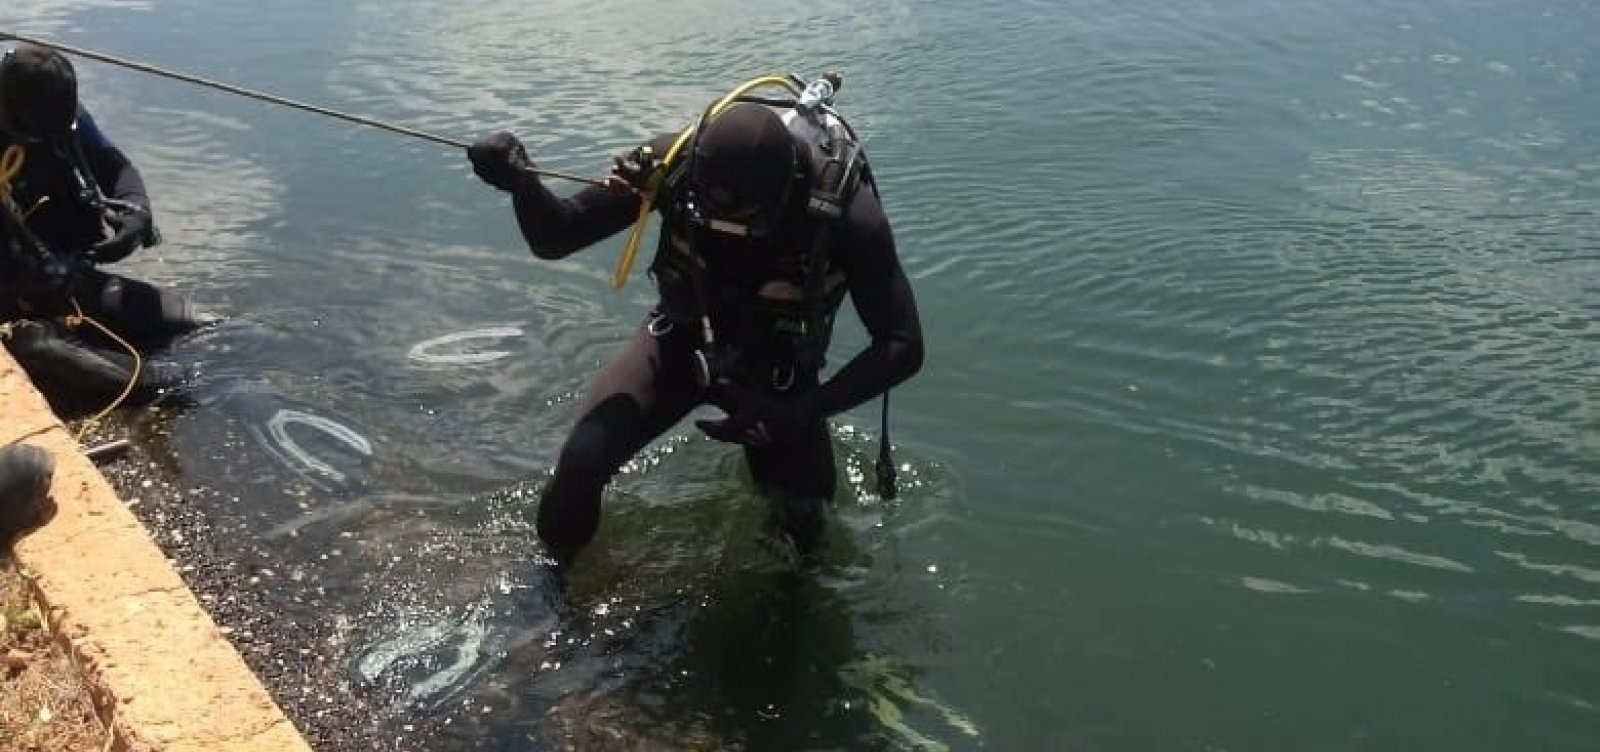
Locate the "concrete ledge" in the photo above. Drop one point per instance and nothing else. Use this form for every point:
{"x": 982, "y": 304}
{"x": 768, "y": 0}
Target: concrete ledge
{"x": 164, "y": 677}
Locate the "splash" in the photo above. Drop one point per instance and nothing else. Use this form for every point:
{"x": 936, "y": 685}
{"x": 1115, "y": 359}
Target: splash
{"x": 437, "y": 661}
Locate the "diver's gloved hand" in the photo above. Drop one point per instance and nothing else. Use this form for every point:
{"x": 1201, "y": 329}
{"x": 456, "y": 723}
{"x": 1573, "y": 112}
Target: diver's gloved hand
{"x": 755, "y": 419}
{"x": 501, "y": 161}
{"x": 131, "y": 227}
{"x": 637, "y": 170}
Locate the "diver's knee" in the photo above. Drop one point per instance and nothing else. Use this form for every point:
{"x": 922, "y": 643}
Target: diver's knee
{"x": 565, "y": 533}
{"x": 569, "y": 508}
{"x": 587, "y": 455}
{"x": 567, "y": 517}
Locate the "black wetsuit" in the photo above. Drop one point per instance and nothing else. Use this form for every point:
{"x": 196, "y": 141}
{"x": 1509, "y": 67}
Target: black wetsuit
{"x": 650, "y": 384}
{"x": 80, "y": 368}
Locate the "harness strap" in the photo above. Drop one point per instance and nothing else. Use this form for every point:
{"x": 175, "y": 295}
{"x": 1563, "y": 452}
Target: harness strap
{"x": 884, "y": 467}
{"x": 96, "y": 197}
{"x": 36, "y": 264}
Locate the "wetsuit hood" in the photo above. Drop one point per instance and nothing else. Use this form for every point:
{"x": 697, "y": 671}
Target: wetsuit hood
{"x": 745, "y": 159}
{"x": 38, "y": 92}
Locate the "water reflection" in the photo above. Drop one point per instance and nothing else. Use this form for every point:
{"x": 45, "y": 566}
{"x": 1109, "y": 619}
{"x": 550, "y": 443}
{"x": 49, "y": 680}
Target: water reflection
{"x": 429, "y": 659}
{"x": 426, "y": 351}
{"x": 687, "y": 625}
{"x": 325, "y": 449}
{"x": 759, "y": 659}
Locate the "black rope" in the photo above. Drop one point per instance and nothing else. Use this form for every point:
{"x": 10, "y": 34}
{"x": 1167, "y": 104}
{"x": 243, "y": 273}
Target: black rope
{"x": 265, "y": 97}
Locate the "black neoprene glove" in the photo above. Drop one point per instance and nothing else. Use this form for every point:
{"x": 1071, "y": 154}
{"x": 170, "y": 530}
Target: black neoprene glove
{"x": 501, "y": 161}
{"x": 131, "y": 228}
{"x": 638, "y": 169}
{"x": 754, "y": 418}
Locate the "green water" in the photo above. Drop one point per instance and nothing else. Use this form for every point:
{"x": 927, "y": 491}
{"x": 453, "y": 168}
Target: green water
{"x": 1260, "y": 410}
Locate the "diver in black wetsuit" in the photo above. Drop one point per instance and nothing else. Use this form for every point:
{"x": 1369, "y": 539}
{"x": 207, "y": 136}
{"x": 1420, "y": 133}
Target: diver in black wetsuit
{"x": 767, "y": 225}
{"x": 71, "y": 200}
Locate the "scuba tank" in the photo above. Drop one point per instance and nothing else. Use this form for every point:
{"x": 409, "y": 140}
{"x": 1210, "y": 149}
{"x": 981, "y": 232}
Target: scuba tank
{"x": 835, "y": 151}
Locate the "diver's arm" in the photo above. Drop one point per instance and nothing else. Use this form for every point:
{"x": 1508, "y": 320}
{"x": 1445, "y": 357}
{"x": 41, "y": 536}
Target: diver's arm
{"x": 555, "y": 227}
{"x": 112, "y": 169}
{"x": 883, "y": 299}
{"x": 128, "y": 213}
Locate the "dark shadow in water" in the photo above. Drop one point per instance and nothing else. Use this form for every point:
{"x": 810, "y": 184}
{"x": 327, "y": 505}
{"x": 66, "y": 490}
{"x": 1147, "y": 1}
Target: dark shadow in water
{"x": 231, "y": 369}
{"x": 744, "y": 652}
{"x": 762, "y": 668}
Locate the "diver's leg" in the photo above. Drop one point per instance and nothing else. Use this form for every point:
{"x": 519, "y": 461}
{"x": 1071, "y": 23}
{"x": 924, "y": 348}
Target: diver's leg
{"x": 76, "y": 377}
{"x": 146, "y": 315}
{"x": 645, "y": 389}
{"x": 797, "y": 473}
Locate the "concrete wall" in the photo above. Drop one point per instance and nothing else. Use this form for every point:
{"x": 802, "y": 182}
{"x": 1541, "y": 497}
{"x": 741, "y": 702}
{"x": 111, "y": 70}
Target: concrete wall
{"x": 163, "y": 673}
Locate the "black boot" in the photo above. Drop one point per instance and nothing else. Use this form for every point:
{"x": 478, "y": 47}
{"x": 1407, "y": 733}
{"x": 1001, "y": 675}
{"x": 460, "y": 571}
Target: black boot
{"x": 25, "y": 473}
{"x": 78, "y": 378}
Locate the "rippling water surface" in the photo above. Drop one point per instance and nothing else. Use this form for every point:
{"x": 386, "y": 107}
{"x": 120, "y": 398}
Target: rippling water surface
{"x": 1260, "y": 409}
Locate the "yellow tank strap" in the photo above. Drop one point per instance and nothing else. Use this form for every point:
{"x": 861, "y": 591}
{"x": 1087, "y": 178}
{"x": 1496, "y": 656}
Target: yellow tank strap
{"x": 630, "y": 251}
